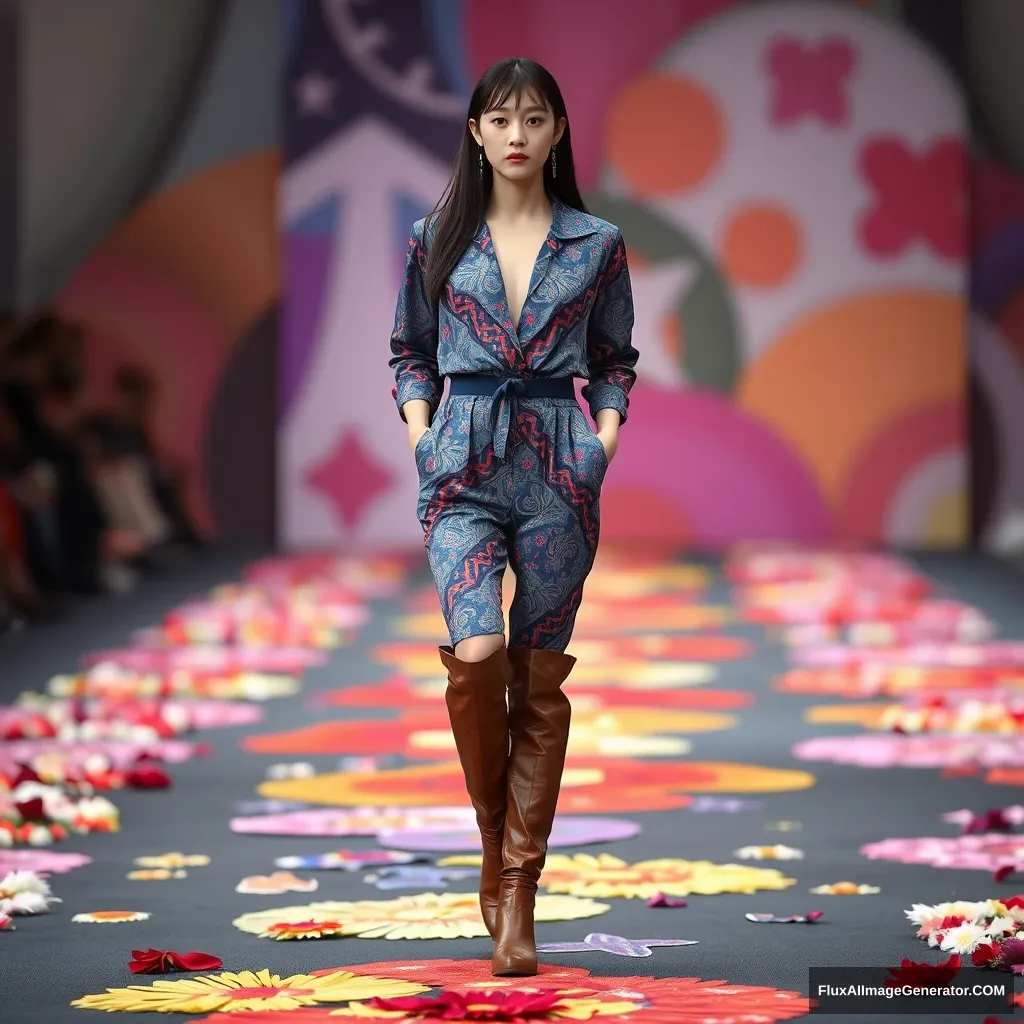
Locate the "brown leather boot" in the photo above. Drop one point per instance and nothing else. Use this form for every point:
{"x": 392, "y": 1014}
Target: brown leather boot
{"x": 539, "y": 714}
{"x": 477, "y": 709}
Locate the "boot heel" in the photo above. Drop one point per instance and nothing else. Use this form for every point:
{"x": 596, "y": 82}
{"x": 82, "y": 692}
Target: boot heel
{"x": 515, "y": 950}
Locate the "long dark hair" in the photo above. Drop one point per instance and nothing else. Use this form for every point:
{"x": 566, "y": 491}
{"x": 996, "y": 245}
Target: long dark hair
{"x": 456, "y": 219}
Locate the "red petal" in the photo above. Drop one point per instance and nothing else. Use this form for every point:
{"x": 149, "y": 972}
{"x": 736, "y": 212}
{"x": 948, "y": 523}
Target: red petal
{"x": 197, "y": 961}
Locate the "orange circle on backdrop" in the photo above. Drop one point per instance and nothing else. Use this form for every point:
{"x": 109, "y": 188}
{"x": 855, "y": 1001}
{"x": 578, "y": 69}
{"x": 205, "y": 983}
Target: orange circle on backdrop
{"x": 664, "y": 134}
{"x": 761, "y": 245}
{"x": 841, "y": 375}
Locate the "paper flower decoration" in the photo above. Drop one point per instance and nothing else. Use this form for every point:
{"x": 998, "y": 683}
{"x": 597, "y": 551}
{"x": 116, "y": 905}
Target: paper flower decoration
{"x": 605, "y": 876}
{"x": 923, "y": 975}
{"x": 110, "y": 917}
{"x": 990, "y": 931}
{"x": 777, "y": 852}
{"x": 283, "y": 930}
{"x": 659, "y": 899}
{"x": 173, "y": 860}
{"x": 845, "y": 889}
{"x": 246, "y": 990}
{"x": 6, "y": 923}
{"x": 424, "y": 916}
{"x": 276, "y": 884}
{"x": 24, "y": 892}
{"x": 615, "y": 944}
{"x": 346, "y": 860}
{"x": 416, "y": 877}
{"x": 810, "y": 917}
{"x": 665, "y": 1000}
{"x": 41, "y": 860}
{"x": 163, "y": 961}
{"x": 515, "y": 1007}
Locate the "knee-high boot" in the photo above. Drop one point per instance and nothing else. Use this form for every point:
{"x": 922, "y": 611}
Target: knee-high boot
{"x": 477, "y": 709}
{"x": 539, "y": 714}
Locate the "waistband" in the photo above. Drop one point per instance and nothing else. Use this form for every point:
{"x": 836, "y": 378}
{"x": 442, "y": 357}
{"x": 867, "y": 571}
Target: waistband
{"x": 528, "y": 387}
{"x": 503, "y": 392}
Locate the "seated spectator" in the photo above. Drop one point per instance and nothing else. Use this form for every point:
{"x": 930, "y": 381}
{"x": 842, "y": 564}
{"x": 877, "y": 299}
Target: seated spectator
{"x": 130, "y": 434}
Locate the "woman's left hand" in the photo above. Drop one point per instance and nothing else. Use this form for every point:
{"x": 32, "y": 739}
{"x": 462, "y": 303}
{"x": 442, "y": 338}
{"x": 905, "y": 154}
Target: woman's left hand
{"x": 610, "y": 440}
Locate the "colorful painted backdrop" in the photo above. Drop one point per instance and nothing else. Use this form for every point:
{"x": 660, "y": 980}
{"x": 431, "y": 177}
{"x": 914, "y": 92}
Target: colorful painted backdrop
{"x": 790, "y": 181}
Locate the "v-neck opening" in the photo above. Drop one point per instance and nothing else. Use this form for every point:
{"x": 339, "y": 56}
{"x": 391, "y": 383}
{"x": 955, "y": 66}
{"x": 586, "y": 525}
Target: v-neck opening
{"x": 538, "y": 261}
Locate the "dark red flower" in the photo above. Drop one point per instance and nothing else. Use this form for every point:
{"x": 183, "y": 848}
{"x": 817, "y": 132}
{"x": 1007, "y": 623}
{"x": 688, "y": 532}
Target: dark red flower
{"x": 1011, "y": 953}
{"x": 148, "y": 776}
{"x": 32, "y": 810}
{"x": 990, "y": 821}
{"x": 924, "y": 975}
{"x": 1003, "y": 872}
{"x": 163, "y": 961}
{"x": 986, "y": 955}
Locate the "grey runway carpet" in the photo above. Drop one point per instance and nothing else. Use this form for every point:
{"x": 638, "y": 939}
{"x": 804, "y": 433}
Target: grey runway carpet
{"x": 50, "y": 961}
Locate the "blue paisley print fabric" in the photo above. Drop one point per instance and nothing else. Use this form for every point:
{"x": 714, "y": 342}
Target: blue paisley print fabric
{"x": 525, "y": 492}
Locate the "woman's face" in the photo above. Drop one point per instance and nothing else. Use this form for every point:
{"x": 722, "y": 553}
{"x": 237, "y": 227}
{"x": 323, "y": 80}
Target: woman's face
{"x": 518, "y": 136}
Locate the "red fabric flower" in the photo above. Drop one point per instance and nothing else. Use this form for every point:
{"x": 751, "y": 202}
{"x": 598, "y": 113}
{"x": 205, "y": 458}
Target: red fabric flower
{"x": 148, "y": 776}
{"x": 916, "y": 197}
{"x": 924, "y": 975}
{"x": 32, "y": 810}
{"x": 986, "y": 955}
{"x": 163, "y": 961}
{"x": 495, "y": 1006}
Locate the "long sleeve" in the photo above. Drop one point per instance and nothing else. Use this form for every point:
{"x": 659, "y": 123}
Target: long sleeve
{"x": 610, "y": 353}
{"x": 414, "y": 339}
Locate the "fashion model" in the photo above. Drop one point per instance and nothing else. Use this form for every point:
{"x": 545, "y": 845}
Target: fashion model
{"x": 511, "y": 291}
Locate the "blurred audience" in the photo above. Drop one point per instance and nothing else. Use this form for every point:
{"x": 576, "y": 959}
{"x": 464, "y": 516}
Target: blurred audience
{"x": 86, "y": 500}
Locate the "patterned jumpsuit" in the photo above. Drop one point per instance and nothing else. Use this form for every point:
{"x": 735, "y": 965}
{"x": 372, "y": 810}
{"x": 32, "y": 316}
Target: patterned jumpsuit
{"x": 516, "y": 480}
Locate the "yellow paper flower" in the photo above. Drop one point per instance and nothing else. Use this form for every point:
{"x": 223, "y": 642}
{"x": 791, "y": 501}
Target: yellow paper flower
{"x": 173, "y": 860}
{"x": 110, "y": 917}
{"x": 424, "y": 916}
{"x": 155, "y": 875}
{"x": 606, "y": 877}
{"x": 845, "y": 889}
{"x": 246, "y": 990}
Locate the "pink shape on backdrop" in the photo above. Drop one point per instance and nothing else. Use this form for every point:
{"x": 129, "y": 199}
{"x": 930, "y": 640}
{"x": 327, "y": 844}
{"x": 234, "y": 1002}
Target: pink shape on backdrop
{"x": 901, "y": 751}
{"x": 986, "y": 852}
{"x": 884, "y": 464}
{"x": 727, "y": 474}
{"x": 918, "y": 196}
{"x": 588, "y": 51}
{"x": 41, "y": 860}
{"x": 350, "y": 478}
{"x": 810, "y": 81}
{"x": 122, "y": 753}
{"x": 134, "y": 316}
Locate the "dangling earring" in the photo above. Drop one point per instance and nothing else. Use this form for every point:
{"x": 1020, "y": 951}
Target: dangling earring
{"x": 480, "y": 156}
{"x": 554, "y": 163}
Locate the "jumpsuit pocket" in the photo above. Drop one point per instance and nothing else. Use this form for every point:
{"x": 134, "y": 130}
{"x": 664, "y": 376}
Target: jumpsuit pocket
{"x": 595, "y": 458}
{"x": 421, "y": 451}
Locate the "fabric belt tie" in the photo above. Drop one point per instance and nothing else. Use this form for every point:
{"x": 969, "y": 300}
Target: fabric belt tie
{"x": 504, "y": 393}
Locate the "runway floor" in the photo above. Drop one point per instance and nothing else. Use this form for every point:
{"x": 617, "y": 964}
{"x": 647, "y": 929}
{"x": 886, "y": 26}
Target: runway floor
{"x": 714, "y": 763}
